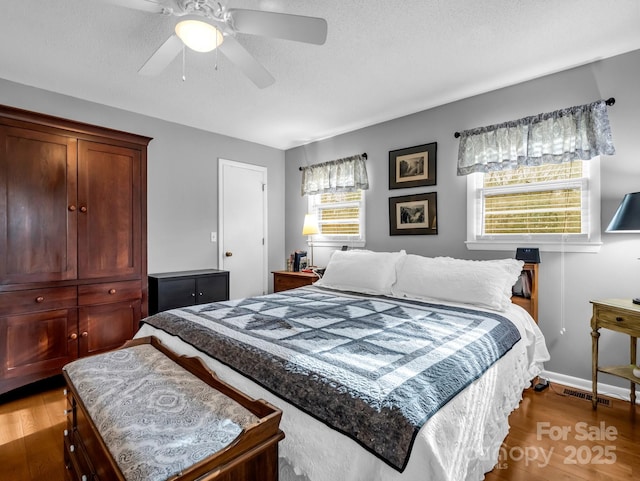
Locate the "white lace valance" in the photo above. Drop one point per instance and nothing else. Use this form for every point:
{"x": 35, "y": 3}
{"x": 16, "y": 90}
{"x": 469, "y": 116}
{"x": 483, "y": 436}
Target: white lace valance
{"x": 342, "y": 175}
{"x": 576, "y": 133}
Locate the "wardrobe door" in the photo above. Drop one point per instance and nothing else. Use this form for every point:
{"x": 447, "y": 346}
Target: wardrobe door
{"x": 36, "y": 345}
{"x": 109, "y": 217}
{"x": 107, "y": 326}
{"x": 37, "y": 206}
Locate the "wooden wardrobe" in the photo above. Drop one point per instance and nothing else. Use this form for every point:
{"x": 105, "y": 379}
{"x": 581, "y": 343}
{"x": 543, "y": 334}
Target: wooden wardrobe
{"x": 73, "y": 250}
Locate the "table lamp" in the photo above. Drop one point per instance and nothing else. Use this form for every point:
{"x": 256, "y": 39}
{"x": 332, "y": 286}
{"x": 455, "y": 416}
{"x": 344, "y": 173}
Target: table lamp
{"x": 627, "y": 219}
{"x": 310, "y": 228}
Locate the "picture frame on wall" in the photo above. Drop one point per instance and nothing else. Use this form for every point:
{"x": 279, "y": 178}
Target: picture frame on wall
{"x": 413, "y": 166}
{"x": 413, "y": 214}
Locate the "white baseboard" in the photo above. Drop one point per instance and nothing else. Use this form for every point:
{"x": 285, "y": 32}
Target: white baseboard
{"x": 585, "y": 385}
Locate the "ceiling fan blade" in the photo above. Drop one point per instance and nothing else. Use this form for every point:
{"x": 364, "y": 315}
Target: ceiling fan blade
{"x": 280, "y": 25}
{"x": 162, "y": 57}
{"x": 242, "y": 59}
{"x": 151, "y": 6}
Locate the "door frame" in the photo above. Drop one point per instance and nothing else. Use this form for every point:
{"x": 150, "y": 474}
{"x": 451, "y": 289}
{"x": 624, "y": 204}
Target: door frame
{"x": 265, "y": 233}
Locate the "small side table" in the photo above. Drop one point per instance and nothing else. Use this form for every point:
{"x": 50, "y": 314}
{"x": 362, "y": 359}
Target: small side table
{"x": 285, "y": 280}
{"x": 620, "y": 315}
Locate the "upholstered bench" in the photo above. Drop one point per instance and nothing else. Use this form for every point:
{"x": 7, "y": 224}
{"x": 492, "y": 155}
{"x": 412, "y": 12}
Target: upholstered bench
{"x": 142, "y": 413}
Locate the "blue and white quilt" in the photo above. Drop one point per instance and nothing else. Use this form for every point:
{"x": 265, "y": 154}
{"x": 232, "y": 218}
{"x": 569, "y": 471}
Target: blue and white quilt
{"x": 374, "y": 368}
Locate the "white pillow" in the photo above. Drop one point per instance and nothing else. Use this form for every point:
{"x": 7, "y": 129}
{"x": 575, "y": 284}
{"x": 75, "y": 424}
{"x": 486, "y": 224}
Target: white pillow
{"x": 479, "y": 283}
{"x": 361, "y": 271}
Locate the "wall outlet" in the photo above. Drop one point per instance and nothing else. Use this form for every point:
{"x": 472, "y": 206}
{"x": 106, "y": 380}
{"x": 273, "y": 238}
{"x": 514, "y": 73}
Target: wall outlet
{"x": 214, "y": 237}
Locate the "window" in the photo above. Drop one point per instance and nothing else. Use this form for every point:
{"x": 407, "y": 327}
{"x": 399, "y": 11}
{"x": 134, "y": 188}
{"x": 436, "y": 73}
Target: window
{"x": 340, "y": 218}
{"x": 555, "y": 207}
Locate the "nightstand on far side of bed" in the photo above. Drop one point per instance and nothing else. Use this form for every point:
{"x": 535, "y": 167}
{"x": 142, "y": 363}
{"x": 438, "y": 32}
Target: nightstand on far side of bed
{"x": 285, "y": 280}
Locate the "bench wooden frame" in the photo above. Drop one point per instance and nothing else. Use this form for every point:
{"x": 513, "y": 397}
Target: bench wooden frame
{"x": 253, "y": 455}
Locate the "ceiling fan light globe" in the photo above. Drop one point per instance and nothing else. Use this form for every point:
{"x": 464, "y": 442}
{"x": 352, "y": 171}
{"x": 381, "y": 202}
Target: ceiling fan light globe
{"x": 198, "y": 35}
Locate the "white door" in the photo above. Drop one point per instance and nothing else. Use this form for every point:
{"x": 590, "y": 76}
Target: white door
{"x": 242, "y": 217}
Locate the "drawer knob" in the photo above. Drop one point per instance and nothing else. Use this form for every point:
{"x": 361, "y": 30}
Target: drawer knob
{"x": 72, "y": 208}
{"x": 73, "y": 336}
{"x": 83, "y": 209}
{"x": 228, "y": 254}
{"x": 84, "y": 477}
{"x": 65, "y": 392}
{"x": 619, "y": 319}
{"x": 201, "y": 293}
{"x": 112, "y": 291}
{"x": 85, "y": 334}
{"x": 67, "y": 412}
{"x": 66, "y": 433}
{"x": 72, "y": 448}
{"x": 39, "y": 299}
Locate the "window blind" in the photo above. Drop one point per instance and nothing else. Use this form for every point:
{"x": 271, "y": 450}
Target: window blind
{"x": 339, "y": 214}
{"x": 545, "y": 199}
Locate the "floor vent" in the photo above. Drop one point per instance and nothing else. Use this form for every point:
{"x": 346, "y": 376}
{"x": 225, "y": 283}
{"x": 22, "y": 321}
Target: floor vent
{"x": 586, "y": 396}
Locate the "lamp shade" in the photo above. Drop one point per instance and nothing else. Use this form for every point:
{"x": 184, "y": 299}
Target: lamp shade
{"x": 198, "y": 35}
{"x": 310, "y": 226}
{"x": 627, "y": 217}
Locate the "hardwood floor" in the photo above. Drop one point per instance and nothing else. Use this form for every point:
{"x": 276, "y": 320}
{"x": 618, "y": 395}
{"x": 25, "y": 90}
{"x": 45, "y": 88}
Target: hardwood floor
{"x": 551, "y": 437}
{"x": 31, "y": 423}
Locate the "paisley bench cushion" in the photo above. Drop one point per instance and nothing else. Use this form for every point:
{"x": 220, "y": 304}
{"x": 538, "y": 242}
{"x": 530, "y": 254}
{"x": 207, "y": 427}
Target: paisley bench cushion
{"x": 155, "y": 417}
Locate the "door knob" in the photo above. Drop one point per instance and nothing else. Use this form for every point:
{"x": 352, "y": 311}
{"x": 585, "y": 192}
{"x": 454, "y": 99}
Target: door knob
{"x": 228, "y": 253}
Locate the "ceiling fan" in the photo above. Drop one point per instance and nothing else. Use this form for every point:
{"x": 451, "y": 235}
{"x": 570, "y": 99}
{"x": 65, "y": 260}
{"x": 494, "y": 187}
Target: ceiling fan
{"x": 204, "y": 25}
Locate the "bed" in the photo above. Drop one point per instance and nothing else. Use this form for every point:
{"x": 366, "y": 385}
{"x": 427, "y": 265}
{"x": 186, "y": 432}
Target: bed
{"x": 391, "y": 367}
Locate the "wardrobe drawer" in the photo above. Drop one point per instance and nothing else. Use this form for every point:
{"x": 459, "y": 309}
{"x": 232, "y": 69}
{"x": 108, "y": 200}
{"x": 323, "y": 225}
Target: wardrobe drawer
{"x": 37, "y": 300}
{"x": 109, "y": 292}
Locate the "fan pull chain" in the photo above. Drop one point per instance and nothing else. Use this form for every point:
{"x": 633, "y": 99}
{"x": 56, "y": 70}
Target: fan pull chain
{"x": 184, "y": 64}
{"x": 216, "y": 65}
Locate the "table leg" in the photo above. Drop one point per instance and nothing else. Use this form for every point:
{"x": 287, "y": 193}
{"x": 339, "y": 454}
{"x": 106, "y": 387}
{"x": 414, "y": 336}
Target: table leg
{"x": 594, "y": 367}
{"x": 634, "y": 361}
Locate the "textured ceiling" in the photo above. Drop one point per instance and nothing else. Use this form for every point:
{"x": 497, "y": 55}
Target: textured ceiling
{"x": 381, "y": 60}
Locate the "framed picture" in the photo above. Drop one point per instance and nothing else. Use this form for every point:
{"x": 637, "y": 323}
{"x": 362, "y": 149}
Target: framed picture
{"x": 299, "y": 260}
{"x": 413, "y": 166}
{"x": 413, "y": 214}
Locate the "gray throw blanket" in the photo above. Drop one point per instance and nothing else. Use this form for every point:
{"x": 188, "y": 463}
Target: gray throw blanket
{"x": 372, "y": 368}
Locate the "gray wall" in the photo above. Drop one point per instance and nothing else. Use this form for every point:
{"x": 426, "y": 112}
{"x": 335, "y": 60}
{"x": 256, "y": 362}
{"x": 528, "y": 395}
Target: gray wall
{"x": 182, "y": 177}
{"x": 613, "y": 272}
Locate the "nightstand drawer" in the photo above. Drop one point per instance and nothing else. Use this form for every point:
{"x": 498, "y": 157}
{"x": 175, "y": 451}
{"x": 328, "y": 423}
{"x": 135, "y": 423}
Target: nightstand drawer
{"x": 285, "y": 280}
{"x": 617, "y": 319}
